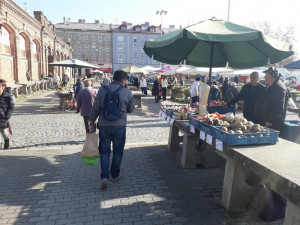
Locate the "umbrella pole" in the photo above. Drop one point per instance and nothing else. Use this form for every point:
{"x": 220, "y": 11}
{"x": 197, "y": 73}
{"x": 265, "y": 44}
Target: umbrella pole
{"x": 73, "y": 71}
{"x": 212, "y": 44}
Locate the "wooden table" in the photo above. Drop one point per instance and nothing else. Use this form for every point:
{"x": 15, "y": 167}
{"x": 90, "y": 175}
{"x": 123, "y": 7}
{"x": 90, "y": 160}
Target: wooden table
{"x": 137, "y": 95}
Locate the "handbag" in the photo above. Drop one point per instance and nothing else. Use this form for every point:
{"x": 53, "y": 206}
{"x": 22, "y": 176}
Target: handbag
{"x": 90, "y": 152}
{"x": 160, "y": 93}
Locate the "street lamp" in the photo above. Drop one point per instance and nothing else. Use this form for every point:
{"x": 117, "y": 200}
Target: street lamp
{"x": 161, "y": 13}
{"x": 228, "y": 10}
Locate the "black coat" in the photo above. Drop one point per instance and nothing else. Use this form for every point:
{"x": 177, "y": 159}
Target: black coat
{"x": 7, "y": 107}
{"x": 250, "y": 94}
{"x": 272, "y": 106}
{"x": 155, "y": 88}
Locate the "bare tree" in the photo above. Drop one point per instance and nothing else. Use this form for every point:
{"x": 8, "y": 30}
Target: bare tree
{"x": 286, "y": 34}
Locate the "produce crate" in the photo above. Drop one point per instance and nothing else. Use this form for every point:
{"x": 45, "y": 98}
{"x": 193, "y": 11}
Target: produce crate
{"x": 246, "y": 139}
{"x": 209, "y": 129}
{"x": 291, "y": 131}
{"x": 221, "y": 109}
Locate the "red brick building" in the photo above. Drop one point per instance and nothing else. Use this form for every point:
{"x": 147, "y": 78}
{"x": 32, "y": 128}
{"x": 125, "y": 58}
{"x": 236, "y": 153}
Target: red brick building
{"x": 28, "y": 44}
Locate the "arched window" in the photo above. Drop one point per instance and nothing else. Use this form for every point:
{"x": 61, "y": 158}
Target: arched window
{"x": 5, "y": 41}
{"x": 34, "y": 51}
{"x": 22, "y": 47}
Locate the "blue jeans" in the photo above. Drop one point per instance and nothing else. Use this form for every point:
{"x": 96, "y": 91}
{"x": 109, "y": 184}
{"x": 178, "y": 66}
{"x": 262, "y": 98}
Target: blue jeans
{"x": 116, "y": 135}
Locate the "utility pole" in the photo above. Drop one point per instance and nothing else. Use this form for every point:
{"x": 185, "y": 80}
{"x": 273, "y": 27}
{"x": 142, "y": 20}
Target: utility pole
{"x": 161, "y": 13}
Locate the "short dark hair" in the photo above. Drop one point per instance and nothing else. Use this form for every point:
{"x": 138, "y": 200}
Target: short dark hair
{"x": 198, "y": 78}
{"x": 2, "y": 81}
{"x": 214, "y": 83}
{"x": 120, "y": 75}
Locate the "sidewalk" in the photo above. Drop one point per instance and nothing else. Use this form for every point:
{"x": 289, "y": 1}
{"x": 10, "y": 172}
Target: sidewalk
{"x": 46, "y": 183}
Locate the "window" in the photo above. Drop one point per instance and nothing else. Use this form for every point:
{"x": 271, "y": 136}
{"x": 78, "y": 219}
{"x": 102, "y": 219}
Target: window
{"x": 120, "y": 59}
{"x": 100, "y": 37}
{"x": 79, "y": 58}
{"x": 134, "y": 60}
{"x": 94, "y": 60}
{"x": 120, "y": 47}
{"x": 106, "y": 38}
{"x": 137, "y": 29}
{"x": 152, "y": 29}
{"x": 93, "y": 38}
{"x": 106, "y": 49}
{"x": 100, "y": 49}
{"x": 78, "y": 37}
{"x": 120, "y": 38}
{"x": 5, "y": 41}
{"x": 86, "y": 37}
{"x": 34, "y": 51}
{"x": 142, "y": 40}
{"x": 78, "y": 48}
{"x": 107, "y": 60}
{"x": 142, "y": 60}
{"x": 86, "y": 48}
{"x": 86, "y": 59}
{"x": 101, "y": 60}
{"x": 22, "y": 47}
{"x": 123, "y": 28}
{"x": 94, "y": 49}
{"x": 134, "y": 50}
{"x": 69, "y": 37}
{"x": 134, "y": 45}
{"x": 134, "y": 40}
{"x": 142, "y": 49}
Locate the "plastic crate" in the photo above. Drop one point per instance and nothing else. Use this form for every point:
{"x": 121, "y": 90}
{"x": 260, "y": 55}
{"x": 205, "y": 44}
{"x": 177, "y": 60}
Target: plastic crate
{"x": 246, "y": 139}
{"x": 221, "y": 109}
{"x": 291, "y": 131}
{"x": 209, "y": 129}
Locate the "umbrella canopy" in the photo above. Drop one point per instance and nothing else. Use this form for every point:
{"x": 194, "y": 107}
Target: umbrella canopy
{"x": 132, "y": 69}
{"x": 149, "y": 68}
{"x": 74, "y": 63}
{"x": 163, "y": 70}
{"x": 293, "y": 65}
{"x": 197, "y": 70}
{"x": 216, "y": 43}
{"x": 177, "y": 70}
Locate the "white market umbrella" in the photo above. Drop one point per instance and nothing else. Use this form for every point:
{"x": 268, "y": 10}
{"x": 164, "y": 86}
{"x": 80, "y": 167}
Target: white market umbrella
{"x": 149, "y": 68}
{"x": 197, "y": 70}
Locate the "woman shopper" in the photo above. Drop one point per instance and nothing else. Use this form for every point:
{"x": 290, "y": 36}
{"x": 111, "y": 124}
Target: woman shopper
{"x": 164, "y": 85}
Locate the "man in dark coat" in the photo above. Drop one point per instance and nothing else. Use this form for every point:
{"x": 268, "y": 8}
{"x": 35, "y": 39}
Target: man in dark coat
{"x": 250, "y": 93}
{"x": 225, "y": 86}
{"x": 77, "y": 88}
{"x": 7, "y": 107}
{"x": 271, "y": 109}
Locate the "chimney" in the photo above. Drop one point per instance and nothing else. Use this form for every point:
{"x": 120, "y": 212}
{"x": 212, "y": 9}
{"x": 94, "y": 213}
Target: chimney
{"x": 180, "y": 27}
{"x": 97, "y": 21}
{"x": 80, "y": 21}
{"x": 64, "y": 20}
{"x": 83, "y": 21}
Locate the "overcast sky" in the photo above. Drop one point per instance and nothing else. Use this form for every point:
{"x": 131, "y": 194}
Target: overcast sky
{"x": 243, "y": 12}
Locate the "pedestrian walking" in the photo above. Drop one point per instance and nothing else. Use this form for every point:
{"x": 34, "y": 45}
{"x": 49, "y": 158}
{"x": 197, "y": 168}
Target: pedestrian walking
{"x": 85, "y": 100}
{"x": 164, "y": 85}
{"x": 194, "y": 90}
{"x": 225, "y": 87}
{"x": 136, "y": 81}
{"x": 143, "y": 85}
{"x": 65, "y": 80}
{"x": 111, "y": 105}
{"x": 56, "y": 80}
{"x": 155, "y": 90}
{"x": 105, "y": 80}
{"x": 250, "y": 93}
{"x": 231, "y": 92}
{"x": 7, "y": 108}
{"x": 77, "y": 88}
{"x": 28, "y": 77}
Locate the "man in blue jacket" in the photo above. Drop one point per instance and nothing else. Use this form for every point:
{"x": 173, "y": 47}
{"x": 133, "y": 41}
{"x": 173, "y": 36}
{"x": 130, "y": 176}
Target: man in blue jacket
{"x": 112, "y": 130}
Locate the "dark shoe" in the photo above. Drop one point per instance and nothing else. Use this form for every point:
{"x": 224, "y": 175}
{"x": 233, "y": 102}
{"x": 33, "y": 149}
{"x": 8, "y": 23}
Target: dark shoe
{"x": 6, "y": 144}
{"x": 104, "y": 183}
{"x": 115, "y": 179}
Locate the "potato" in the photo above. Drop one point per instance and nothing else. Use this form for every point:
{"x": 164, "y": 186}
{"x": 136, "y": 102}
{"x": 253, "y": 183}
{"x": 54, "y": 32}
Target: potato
{"x": 239, "y": 125}
{"x": 257, "y": 129}
{"x": 249, "y": 127}
{"x": 224, "y": 129}
{"x": 244, "y": 127}
{"x": 238, "y": 132}
{"x": 231, "y": 132}
{"x": 246, "y": 131}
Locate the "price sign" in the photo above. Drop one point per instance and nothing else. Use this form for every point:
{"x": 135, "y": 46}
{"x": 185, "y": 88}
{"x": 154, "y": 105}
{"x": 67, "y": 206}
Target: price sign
{"x": 209, "y": 139}
{"x": 172, "y": 120}
{"x": 192, "y": 129}
{"x": 202, "y": 135}
{"x": 219, "y": 145}
{"x": 163, "y": 117}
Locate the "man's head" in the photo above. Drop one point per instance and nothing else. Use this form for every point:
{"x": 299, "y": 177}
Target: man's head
{"x": 2, "y": 85}
{"x": 226, "y": 78}
{"x": 214, "y": 83}
{"x": 87, "y": 83}
{"x": 120, "y": 76}
{"x": 254, "y": 78}
{"x": 272, "y": 75}
{"x": 198, "y": 79}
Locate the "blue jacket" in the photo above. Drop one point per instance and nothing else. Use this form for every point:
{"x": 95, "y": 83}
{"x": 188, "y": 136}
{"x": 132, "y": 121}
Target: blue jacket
{"x": 78, "y": 87}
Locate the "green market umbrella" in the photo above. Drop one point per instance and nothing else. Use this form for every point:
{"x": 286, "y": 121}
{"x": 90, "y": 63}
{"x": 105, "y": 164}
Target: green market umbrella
{"x": 217, "y": 43}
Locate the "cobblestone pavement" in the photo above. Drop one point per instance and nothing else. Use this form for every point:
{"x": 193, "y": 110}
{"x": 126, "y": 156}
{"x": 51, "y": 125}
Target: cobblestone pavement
{"x": 48, "y": 184}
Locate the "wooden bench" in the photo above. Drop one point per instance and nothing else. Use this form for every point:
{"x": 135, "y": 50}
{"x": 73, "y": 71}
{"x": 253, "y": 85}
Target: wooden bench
{"x": 137, "y": 95}
{"x": 192, "y": 154}
{"x": 278, "y": 165}
{"x": 26, "y": 88}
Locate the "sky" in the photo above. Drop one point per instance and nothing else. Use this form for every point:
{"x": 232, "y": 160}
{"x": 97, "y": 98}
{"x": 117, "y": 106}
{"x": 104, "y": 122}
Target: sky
{"x": 277, "y": 13}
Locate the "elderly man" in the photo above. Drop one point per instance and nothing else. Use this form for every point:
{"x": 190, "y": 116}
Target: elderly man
{"x": 271, "y": 109}
{"x": 250, "y": 93}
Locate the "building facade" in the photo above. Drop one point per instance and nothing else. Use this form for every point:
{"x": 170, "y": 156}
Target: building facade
{"x": 28, "y": 44}
{"x": 91, "y": 42}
